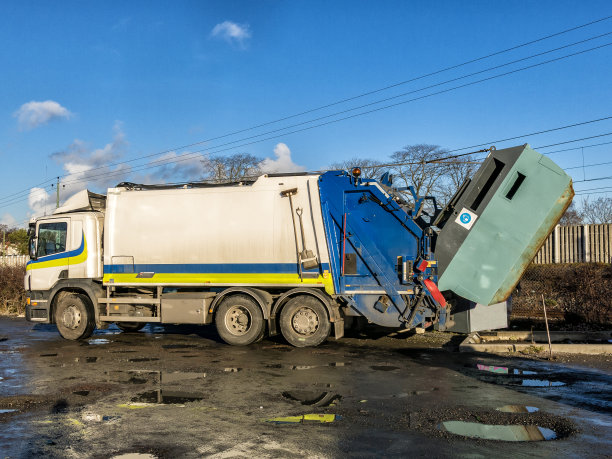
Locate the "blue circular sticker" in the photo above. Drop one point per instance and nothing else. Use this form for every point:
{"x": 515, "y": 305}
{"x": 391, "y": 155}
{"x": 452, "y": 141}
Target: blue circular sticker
{"x": 465, "y": 218}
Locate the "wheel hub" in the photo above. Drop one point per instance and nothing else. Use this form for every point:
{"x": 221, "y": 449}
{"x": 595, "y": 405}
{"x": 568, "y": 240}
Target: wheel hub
{"x": 305, "y": 321}
{"x": 71, "y": 317}
{"x": 238, "y": 320}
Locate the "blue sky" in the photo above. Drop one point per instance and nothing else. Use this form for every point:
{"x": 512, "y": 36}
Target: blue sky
{"x": 86, "y": 84}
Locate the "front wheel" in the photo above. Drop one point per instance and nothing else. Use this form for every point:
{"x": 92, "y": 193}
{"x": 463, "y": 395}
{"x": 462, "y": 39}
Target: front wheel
{"x": 304, "y": 321}
{"x": 74, "y": 316}
{"x": 239, "y": 320}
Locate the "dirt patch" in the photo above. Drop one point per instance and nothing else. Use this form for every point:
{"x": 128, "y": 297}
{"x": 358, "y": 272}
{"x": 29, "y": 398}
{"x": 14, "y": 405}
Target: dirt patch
{"x": 25, "y": 402}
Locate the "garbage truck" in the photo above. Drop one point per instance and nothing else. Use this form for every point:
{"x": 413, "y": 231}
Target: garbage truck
{"x": 300, "y": 254}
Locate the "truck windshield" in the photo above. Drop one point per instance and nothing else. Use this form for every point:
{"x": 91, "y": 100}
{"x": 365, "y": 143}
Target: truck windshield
{"x": 51, "y": 238}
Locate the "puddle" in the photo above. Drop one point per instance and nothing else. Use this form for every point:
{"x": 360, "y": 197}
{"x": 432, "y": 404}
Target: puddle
{"x": 307, "y": 367}
{"x": 167, "y": 397}
{"x": 540, "y": 383}
{"x": 384, "y": 368}
{"x": 7, "y": 411}
{"x": 83, "y": 393}
{"x": 48, "y": 355}
{"x": 134, "y": 456}
{"x": 498, "y": 432}
{"x": 519, "y": 382}
{"x": 504, "y": 370}
{"x": 518, "y": 409}
{"x": 312, "y": 398}
{"x": 143, "y": 359}
{"x": 96, "y": 341}
{"x": 89, "y": 417}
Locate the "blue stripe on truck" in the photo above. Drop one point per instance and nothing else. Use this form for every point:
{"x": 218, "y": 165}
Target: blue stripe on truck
{"x": 210, "y": 268}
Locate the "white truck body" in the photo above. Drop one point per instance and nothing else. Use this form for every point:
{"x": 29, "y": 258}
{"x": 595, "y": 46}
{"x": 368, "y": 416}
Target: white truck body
{"x": 221, "y": 236}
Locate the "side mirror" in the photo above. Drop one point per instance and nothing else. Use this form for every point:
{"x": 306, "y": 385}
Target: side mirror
{"x": 33, "y": 244}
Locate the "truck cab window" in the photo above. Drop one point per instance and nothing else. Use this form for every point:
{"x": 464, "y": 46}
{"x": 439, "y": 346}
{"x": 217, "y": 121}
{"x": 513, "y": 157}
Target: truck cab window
{"x": 51, "y": 238}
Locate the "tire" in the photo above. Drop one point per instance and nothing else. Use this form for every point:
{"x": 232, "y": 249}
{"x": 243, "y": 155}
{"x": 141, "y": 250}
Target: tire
{"x": 74, "y": 316}
{"x": 304, "y": 321}
{"x": 239, "y": 320}
{"x": 130, "y": 327}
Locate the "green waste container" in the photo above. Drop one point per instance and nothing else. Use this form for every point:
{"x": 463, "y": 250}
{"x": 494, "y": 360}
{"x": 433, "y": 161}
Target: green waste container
{"x": 495, "y": 225}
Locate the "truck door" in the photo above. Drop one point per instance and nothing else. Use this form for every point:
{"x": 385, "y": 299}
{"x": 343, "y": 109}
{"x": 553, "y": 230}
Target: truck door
{"x": 77, "y": 263}
{"x": 52, "y": 255}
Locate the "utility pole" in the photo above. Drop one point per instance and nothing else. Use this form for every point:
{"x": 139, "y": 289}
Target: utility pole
{"x": 3, "y": 241}
{"x": 57, "y": 194}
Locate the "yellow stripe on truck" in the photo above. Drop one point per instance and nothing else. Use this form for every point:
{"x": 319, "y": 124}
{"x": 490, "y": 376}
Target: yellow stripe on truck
{"x": 221, "y": 278}
{"x": 64, "y": 261}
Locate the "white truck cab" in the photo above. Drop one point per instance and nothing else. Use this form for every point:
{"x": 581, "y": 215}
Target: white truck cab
{"x": 65, "y": 257}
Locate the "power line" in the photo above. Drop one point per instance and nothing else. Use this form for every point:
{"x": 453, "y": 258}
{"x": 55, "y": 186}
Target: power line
{"x": 594, "y": 179}
{"x": 587, "y": 165}
{"x": 535, "y": 133}
{"x": 594, "y": 189}
{"x": 593, "y": 192}
{"x": 313, "y": 120}
{"x": 383, "y": 89}
{"x": 572, "y": 141}
{"x": 193, "y": 155}
{"x": 577, "y": 148}
{"x": 341, "y": 101}
{"x": 83, "y": 179}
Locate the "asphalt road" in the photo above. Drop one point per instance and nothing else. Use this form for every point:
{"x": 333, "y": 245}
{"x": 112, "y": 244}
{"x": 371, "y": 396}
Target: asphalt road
{"x": 180, "y": 392}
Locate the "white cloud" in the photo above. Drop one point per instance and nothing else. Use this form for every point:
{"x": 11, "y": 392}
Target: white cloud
{"x": 187, "y": 167}
{"x": 33, "y": 114}
{"x": 282, "y": 163}
{"x": 84, "y": 168}
{"x": 8, "y": 220}
{"x": 40, "y": 202}
{"x": 231, "y": 32}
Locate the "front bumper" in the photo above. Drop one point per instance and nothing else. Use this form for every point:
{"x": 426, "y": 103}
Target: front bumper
{"x": 37, "y": 307}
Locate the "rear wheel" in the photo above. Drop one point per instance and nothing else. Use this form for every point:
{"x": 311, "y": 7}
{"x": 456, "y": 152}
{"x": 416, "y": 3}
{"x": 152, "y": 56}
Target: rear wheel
{"x": 74, "y": 316}
{"x": 239, "y": 320}
{"x": 304, "y": 321}
{"x": 128, "y": 327}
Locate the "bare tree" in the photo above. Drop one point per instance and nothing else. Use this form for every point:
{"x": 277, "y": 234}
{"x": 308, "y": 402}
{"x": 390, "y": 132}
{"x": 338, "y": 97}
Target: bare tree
{"x": 422, "y": 166}
{"x": 597, "y": 211}
{"x": 571, "y": 216}
{"x": 416, "y": 167}
{"x": 232, "y": 168}
{"x": 370, "y": 168}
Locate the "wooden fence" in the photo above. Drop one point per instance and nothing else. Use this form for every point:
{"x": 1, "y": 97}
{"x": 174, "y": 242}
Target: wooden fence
{"x": 14, "y": 260}
{"x": 577, "y": 244}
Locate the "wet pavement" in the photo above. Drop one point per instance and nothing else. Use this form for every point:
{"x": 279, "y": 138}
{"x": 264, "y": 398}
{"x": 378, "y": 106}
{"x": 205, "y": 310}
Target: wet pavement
{"x": 171, "y": 391}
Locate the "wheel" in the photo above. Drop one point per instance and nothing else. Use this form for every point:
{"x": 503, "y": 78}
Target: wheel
{"x": 304, "y": 321}
{"x": 74, "y": 316}
{"x": 239, "y": 320}
{"x": 128, "y": 327}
